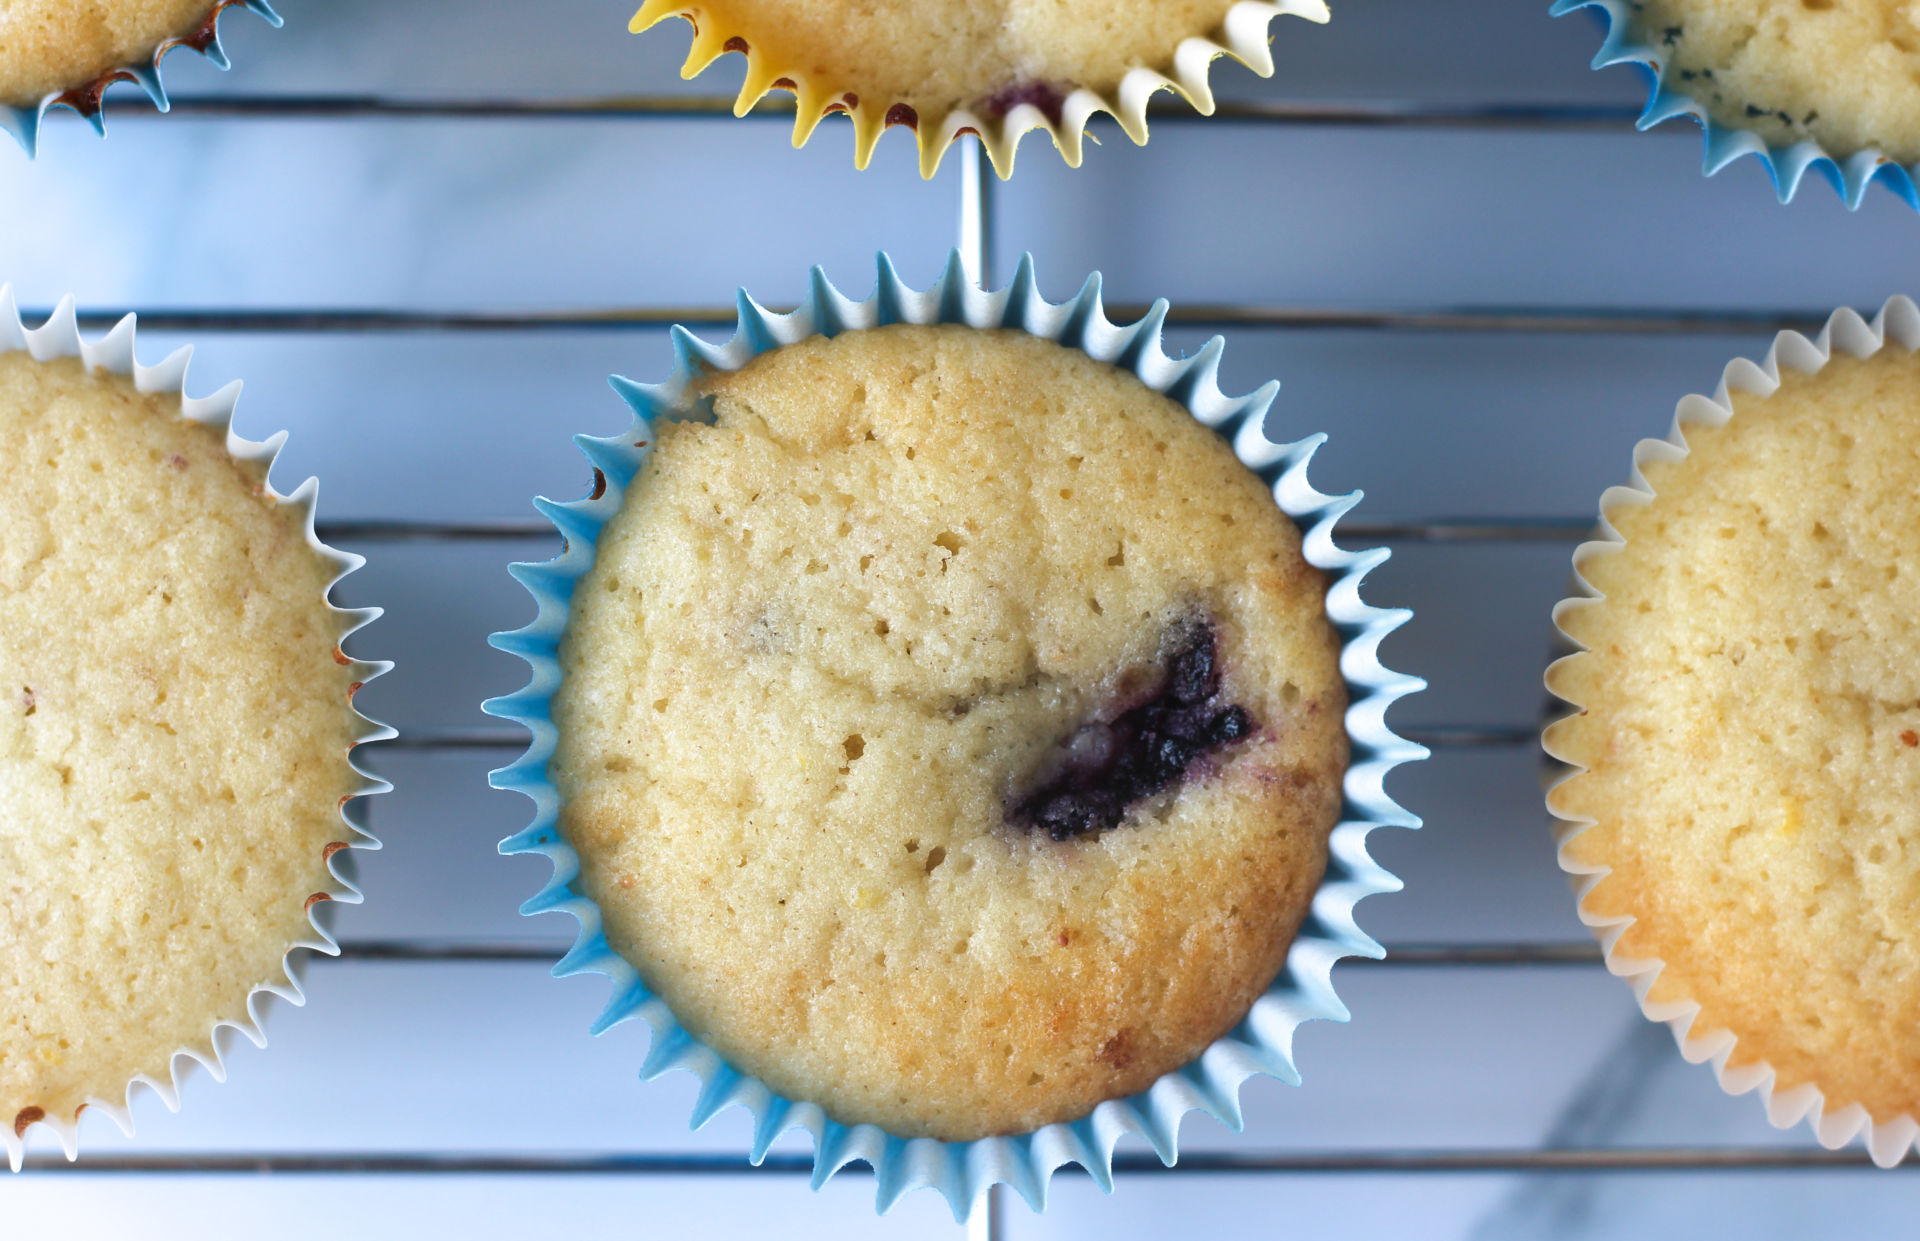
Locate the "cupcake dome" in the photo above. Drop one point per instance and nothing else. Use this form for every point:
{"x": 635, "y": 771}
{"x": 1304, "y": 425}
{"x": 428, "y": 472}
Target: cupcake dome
{"x": 1845, "y": 73}
{"x": 174, "y": 722}
{"x": 950, "y": 730}
{"x": 48, "y": 46}
{"x": 1749, "y": 734}
{"x": 996, "y": 69}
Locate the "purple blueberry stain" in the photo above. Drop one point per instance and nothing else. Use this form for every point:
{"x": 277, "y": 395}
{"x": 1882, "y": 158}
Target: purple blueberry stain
{"x": 1107, "y": 767}
{"x": 1041, "y": 95}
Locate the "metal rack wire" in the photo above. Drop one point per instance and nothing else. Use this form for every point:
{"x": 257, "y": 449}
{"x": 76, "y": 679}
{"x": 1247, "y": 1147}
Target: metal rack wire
{"x": 977, "y": 247}
{"x": 687, "y": 106}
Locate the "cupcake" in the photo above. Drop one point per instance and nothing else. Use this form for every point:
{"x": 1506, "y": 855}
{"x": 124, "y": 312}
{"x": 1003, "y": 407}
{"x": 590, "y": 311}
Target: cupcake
{"x": 940, "y": 732}
{"x": 1747, "y": 745}
{"x": 947, "y": 67}
{"x": 1840, "y": 74}
{"x": 1830, "y": 86}
{"x": 950, "y": 729}
{"x": 54, "y": 53}
{"x": 175, "y": 717}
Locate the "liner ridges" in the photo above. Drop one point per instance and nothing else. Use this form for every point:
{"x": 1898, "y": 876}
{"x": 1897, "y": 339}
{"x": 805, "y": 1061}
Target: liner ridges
{"x": 1243, "y": 37}
{"x": 1262, "y": 1044}
{"x": 24, "y": 123}
{"x": 1787, "y": 166}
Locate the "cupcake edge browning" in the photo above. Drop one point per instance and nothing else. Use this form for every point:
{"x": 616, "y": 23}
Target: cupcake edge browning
{"x": 54, "y": 50}
{"x": 1815, "y": 968}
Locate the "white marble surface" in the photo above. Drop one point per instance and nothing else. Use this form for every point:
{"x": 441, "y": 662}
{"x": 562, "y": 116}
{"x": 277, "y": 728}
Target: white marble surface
{"x": 470, "y": 215}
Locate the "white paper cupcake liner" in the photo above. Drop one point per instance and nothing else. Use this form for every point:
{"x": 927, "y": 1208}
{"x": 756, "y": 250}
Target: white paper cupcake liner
{"x": 1786, "y": 166}
{"x": 60, "y": 337}
{"x": 88, "y": 99}
{"x": 1243, "y": 37}
{"x": 1263, "y": 1042}
{"x": 1887, "y": 1141}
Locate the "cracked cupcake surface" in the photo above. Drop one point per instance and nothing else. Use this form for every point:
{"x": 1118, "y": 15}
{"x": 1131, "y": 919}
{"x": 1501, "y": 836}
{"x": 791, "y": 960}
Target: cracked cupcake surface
{"x": 950, "y": 729}
{"x": 58, "y": 45}
{"x": 1750, "y": 729}
{"x": 173, "y": 734}
{"x": 1845, "y": 73}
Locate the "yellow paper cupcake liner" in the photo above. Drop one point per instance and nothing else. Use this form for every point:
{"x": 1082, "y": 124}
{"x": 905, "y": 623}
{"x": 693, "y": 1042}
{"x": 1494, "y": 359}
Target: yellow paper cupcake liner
{"x": 1242, "y": 37}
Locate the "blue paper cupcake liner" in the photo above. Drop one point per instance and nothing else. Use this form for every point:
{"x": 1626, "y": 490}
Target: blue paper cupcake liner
{"x": 89, "y": 99}
{"x": 1786, "y": 166}
{"x": 1263, "y": 1042}
{"x": 60, "y": 337}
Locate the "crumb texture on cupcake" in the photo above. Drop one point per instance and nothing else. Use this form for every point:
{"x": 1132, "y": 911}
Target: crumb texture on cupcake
{"x": 173, "y": 732}
{"x": 56, "y": 45}
{"x": 1845, "y": 73}
{"x": 950, "y": 729}
{"x": 1751, "y": 730}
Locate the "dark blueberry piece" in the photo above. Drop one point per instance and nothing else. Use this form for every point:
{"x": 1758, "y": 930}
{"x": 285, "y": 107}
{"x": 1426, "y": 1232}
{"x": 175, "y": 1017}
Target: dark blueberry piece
{"x": 1068, "y": 814}
{"x": 1230, "y": 725}
{"x": 1041, "y": 95}
{"x": 1146, "y": 750}
{"x": 1193, "y": 677}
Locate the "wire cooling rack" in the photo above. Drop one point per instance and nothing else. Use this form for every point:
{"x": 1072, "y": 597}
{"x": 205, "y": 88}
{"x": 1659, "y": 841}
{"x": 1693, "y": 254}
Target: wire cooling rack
{"x": 977, "y": 244}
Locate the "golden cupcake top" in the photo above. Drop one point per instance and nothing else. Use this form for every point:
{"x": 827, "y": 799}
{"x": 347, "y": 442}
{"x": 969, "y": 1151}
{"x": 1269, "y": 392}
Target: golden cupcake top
{"x": 1845, "y": 73}
{"x": 921, "y": 63}
{"x": 950, "y": 729}
{"x": 173, "y": 733}
{"x": 58, "y": 45}
{"x": 1751, "y": 730}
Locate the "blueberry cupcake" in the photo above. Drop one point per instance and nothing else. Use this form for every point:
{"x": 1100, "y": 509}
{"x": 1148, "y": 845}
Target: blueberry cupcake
{"x": 1832, "y": 85}
{"x": 175, "y": 717}
{"x": 942, "y": 68}
{"x": 1747, "y": 746}
{"x": 1841, "y": 74}
{"x": 942, "y": 734}
{"x": 950, "y": 766}
{"x": 55, "y": 53}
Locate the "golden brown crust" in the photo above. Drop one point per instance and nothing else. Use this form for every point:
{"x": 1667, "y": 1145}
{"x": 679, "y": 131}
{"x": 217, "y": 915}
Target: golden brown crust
{"x": 823, "y": 646}
{"x": 1751, "y": 732}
